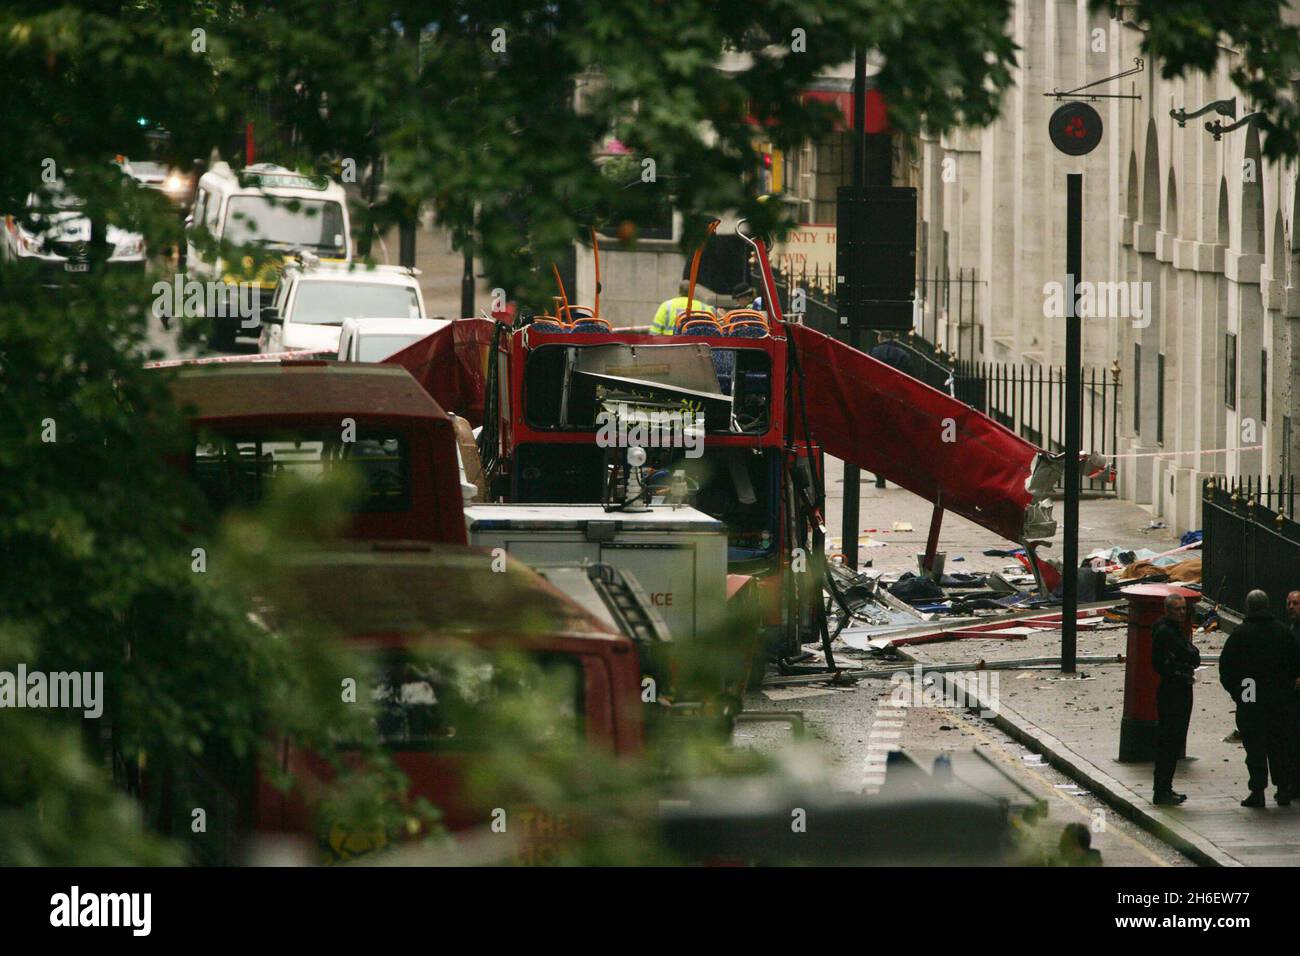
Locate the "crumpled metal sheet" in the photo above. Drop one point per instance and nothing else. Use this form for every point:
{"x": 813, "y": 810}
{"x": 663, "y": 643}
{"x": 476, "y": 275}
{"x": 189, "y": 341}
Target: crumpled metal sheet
{"x": 869, "y": 414}
{"x": 451, "y": 365}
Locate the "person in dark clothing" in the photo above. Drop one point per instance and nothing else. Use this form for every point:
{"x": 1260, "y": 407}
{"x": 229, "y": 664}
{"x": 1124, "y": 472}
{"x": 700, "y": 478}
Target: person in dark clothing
{"x": 1258, "y": 667}
{"x": 1293, "y": 715}
{"x": 895, "y": 356}
{"x": 892, "y": 354}
{"x": 1175, "y": 660}
{"x": 743, "y": 297}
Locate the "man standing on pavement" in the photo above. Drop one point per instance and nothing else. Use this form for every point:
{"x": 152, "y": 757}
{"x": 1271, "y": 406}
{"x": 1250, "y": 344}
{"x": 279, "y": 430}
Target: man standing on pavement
{"x": 743, "y": 297}
{"x": 1293, "y": 718}
{"x": 1175, "y": 660}
{"x": 1258, "y": 668}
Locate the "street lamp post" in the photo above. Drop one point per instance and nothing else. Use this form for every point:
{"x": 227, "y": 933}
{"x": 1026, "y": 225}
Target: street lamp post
{"x": 852, "y": 477}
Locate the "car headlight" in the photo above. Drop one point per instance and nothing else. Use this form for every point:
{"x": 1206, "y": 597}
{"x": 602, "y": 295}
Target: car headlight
{"x": 176, "y": 185}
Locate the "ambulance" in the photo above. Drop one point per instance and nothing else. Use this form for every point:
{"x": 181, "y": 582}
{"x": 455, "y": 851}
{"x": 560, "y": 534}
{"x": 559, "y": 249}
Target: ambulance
{"x": 270, "y": 208}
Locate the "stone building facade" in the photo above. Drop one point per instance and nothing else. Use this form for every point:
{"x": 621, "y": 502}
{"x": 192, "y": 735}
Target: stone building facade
{"x": 1209, "y": 356}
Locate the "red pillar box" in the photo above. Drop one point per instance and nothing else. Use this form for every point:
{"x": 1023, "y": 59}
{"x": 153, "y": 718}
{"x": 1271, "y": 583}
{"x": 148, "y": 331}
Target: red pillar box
{"x": 1146, "y": 605}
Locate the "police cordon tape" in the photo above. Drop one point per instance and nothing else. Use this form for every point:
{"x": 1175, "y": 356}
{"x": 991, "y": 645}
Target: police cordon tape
{"x": 251, "y": 357}
{"x": 1190, "y": 451}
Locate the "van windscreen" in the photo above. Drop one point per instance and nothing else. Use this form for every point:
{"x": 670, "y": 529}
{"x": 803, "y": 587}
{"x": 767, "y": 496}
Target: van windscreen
{"x": 319, "y": 302}
{"x": 312, "y": 224}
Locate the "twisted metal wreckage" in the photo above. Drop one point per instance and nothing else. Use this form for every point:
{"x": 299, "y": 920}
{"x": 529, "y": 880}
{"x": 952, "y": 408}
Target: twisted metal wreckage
{"x": 773, "y": 390}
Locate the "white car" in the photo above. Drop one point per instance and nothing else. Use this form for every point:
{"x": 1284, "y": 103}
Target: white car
{"x": 313, "y": 299}
{"x": 55, "y": 235}
{"x": 373, "y": 340}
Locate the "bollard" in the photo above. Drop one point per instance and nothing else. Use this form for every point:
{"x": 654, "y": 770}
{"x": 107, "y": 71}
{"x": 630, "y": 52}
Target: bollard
{"x": 1137, "y": 729}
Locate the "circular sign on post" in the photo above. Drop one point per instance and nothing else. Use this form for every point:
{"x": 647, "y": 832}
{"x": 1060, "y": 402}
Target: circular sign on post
{"x": 1075, "y": 128}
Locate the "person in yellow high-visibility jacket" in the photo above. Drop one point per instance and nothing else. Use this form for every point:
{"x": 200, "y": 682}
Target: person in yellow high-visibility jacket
{"x": 665, "y": 321}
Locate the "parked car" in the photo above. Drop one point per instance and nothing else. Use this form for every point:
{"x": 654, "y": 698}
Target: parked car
{"x": 53, "y": 234}
{"x": 176, "y": 184}
{"x": 313, "y": 299}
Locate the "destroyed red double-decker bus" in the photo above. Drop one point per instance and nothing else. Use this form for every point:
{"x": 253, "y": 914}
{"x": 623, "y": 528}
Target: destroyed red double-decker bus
{"x": 752, "y": 402}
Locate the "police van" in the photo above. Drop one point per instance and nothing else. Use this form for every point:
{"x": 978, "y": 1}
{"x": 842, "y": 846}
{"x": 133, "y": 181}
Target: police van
{"x": 275, "y": 209}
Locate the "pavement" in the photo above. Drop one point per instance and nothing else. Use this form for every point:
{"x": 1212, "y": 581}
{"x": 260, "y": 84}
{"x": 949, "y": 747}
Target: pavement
{"x": 1071, "y": 721}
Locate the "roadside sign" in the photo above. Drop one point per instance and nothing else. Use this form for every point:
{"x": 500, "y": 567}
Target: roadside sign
{"x": 1075, "y": 128}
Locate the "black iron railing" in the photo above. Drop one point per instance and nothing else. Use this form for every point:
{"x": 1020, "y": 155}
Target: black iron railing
{"x": 1251, "y": 540}
{"x": 1030, "y": 401}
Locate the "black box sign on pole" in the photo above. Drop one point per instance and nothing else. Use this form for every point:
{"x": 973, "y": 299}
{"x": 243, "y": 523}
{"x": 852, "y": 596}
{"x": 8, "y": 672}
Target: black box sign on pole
{"x": 875, "y": 256}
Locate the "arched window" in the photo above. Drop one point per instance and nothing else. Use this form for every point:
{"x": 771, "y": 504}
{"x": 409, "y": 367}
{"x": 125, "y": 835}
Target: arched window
{"x": 1151, "y": 177}
{"x": 1171, "y": 206}
{"x": 1252, "y": 196}
{"x": 1222, "y": 237}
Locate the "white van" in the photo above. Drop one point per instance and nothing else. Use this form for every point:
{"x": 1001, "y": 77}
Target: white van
{"x": 270, "y": 206}
{"x": 373, "y": 340}
{"x": 313, "y": 299}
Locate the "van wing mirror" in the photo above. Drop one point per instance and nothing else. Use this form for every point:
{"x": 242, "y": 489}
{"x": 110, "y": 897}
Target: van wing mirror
{"x": 271, "y": 315}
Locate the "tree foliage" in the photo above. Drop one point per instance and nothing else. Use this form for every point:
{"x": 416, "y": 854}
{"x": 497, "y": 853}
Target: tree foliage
{"x": 489, "y": 111}
{"x": 1191, "y": 36}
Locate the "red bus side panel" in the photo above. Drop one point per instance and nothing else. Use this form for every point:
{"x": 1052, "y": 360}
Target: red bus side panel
{"x": 886, "y": 422}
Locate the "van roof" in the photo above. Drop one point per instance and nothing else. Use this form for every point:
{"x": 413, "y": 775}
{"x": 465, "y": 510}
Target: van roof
{"x": 271, "y": 180}
{"x": 333, "y": 271}
{"x": 395, "y": 326}
{"x": 435, "y": 590}
{"x": 289, "y": 389}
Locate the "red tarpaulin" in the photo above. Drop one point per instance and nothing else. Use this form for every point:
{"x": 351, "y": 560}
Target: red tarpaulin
{"x": 451, "y": 364}
{"x": 872, "y": 415}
